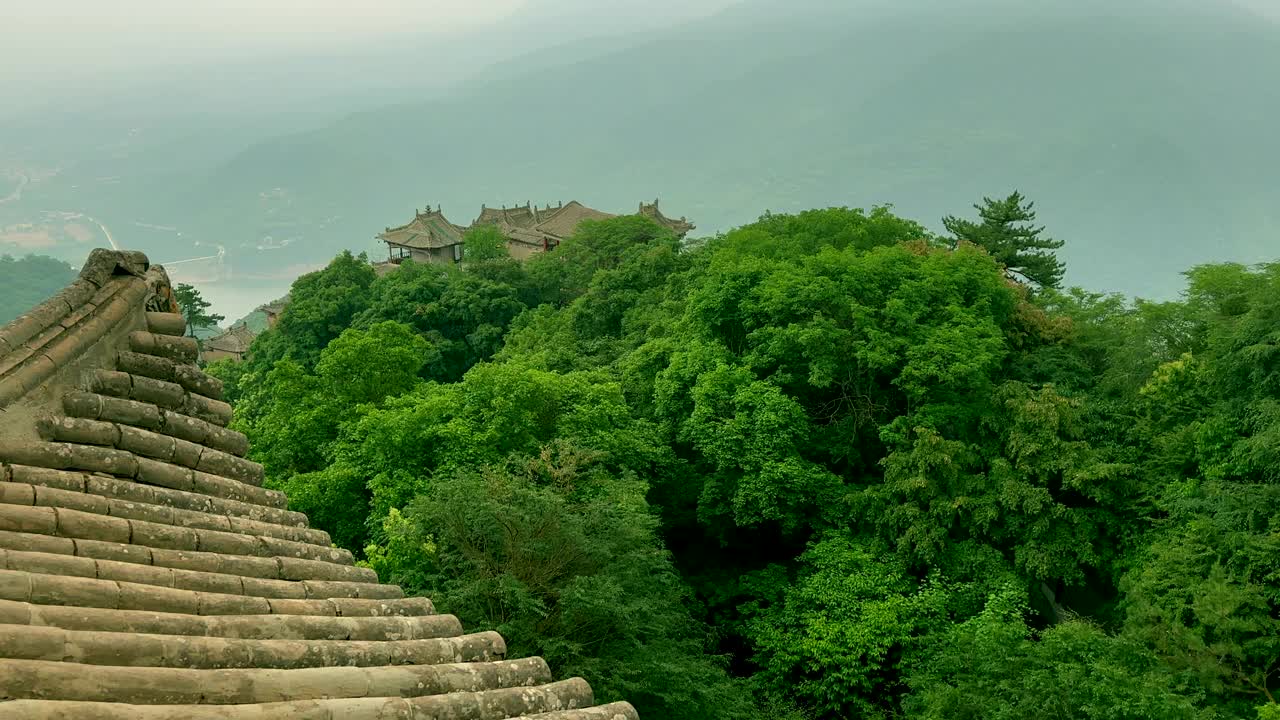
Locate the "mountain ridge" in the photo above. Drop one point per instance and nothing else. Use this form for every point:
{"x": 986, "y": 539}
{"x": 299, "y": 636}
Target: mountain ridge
{"x": 1131, "y": 128}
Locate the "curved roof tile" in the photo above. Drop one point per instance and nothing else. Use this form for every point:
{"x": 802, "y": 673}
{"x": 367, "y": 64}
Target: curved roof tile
{"x": 145, "y": 573}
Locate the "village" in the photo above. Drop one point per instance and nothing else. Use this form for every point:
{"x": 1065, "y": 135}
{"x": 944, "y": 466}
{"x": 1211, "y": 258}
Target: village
{"x": 430, "y": 237}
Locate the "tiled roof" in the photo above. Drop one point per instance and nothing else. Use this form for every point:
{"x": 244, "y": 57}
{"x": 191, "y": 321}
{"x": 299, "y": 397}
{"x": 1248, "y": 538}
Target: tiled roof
{"x": 521, "y": 216}
{"x": 527, "y": 236}
{"x": 146, "y": 573}
{"x": 235, "y": 340}
{"x": 680, "y": 227}
{"x": 428, "y": 230}
{"x": 565, "y": 220}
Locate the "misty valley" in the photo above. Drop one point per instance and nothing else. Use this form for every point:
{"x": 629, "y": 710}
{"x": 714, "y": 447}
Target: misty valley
{"x": 700, "y": 360}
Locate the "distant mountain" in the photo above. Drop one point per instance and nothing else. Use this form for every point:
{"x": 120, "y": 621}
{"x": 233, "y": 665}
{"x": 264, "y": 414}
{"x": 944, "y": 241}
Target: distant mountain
{"x": 1143, "y": 129}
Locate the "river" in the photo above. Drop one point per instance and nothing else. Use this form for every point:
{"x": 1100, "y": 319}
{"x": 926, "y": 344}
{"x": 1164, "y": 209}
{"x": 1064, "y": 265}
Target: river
{"x": 16, "y": 195}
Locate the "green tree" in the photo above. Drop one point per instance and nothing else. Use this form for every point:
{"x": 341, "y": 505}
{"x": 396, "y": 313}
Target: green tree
{"x": 297, "y": 417}
{"x": 463, "y": 314}
{"x": 844, "y": 633}
{"x": 560, "y": 555}
{"x": 1203, "y": 592}
{"x": 995, "y": 667}
{"x": 194, "y": 309}
{"x": 321, "y": 305}
{"x": 482, "y": 243}
{"x": 850, "y": 460}
{"x": 561, "y": 276}
{"x": 1007, "y": 230}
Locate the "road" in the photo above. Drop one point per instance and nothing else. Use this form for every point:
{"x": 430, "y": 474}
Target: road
{"x": 105, "y": 231}
{"x": 16, "y": 195}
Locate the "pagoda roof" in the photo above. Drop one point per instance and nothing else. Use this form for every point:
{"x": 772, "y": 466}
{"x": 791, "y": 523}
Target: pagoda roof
{"x": 564, "y": 221}
{"x": 235, "y": 340}
{"x": 527, "y": 236}
{"x": 428, "y": 230}
{"x": 520, "y": 216}
{"x": 680, "y": 227}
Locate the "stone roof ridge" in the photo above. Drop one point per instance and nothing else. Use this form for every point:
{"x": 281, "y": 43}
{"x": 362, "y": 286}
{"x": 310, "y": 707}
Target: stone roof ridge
{"x": 147, "y": 572}
{"x": 681, "y": 227}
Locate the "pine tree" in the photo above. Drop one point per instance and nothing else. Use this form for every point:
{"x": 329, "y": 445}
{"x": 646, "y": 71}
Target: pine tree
{"x": 194, "y": 307}
{"x": 1007, "y": 230}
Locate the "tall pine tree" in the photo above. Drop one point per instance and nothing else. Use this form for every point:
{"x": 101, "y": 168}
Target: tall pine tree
{"x": 1008, "y": 231}
{"x": 194, "y": 309}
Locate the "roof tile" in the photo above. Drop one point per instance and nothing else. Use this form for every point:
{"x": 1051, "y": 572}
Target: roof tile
{"x": 144, "y": 573}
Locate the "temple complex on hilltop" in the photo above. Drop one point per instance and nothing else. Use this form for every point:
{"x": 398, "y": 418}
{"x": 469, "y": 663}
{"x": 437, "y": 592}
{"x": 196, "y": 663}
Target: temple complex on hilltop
{"x": 234, "y": 342}
{"x": 529, "y": 230}
{"x": 146, "y": 573}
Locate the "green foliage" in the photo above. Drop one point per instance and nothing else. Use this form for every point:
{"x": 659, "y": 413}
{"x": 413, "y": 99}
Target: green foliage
{"x": 561, "y": 276}
{"x": 462, "y": 314}
{"x": 194, "y": 309}
{"x": 321, "y": 305}
{"x": 29, "y": 281}
{"x": 557, "y": 553}
{"x": 484, "y": 243}
{"x": 822, "y": 466}
{"x": 995, "y": 667}
{"x": 1007, "y": 230}
{"x": 297, "y": 416}
{"x": 496, "y": 411}
{"x": 841, "y": 636}
{"x": 1034, "y": 492}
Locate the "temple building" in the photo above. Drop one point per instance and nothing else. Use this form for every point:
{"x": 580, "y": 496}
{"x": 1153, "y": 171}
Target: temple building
{"x": 529, "y": 230}
{"x": 429, "y": 237}
{"x": 230, "y": 345}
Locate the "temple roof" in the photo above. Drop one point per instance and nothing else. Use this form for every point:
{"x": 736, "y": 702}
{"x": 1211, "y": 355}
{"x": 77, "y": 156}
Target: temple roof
{"x": 526, "y": 224}
{"x": 680, "y": 227}
{"x": 565, "y": 221}
{"x": 146, "y": 572}
{"x": 526, "y": 236}
{"x": 427, "y": 230}
{"x": 236, "y": 339}
{"x": 521, "y": 216}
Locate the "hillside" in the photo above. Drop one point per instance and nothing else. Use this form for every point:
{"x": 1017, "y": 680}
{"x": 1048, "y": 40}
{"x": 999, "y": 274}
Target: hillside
{"x": 814, "y": 469}
{"x": 1115, "y": 120}
{"x": 28, "y": 281}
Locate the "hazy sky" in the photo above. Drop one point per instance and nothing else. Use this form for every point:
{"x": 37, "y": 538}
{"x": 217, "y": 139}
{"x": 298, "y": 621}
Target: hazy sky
{"x": 49, "y": 47}
{"x": 45, "y": 44}
{"x": 45, "y": 36}
{"x": 40, "y": 31}
{"x": 101, "y": 21}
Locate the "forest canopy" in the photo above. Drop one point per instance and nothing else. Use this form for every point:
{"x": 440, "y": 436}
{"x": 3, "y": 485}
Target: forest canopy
{"x": 29, "y": 281}
{"x": 825, "y": 465}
